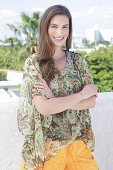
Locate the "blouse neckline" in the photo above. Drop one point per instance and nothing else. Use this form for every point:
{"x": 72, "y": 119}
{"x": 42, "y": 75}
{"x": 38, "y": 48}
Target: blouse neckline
{"x": 62, "y": 70}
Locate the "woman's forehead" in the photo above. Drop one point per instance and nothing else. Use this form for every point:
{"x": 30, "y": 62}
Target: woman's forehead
{"x": 60, "y": 19}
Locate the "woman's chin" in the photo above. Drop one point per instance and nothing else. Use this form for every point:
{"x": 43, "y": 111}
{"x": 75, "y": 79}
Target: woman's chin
{"x": 59, "y": 44}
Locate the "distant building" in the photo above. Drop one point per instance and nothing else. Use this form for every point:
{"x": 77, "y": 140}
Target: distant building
{"x": 98, "y": 36}
{"x": 94, "y": 35}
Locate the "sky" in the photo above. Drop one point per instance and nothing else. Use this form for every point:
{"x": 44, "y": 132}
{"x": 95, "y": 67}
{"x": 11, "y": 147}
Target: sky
{"x": 86, "y": 14}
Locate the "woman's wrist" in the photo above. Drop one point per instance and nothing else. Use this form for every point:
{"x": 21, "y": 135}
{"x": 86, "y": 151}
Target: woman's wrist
{"x": 81, "y": 95}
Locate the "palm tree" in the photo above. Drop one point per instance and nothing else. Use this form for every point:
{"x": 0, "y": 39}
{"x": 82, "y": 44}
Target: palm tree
{"x": 12, "y": 41}
{"x": 27, "y": 31}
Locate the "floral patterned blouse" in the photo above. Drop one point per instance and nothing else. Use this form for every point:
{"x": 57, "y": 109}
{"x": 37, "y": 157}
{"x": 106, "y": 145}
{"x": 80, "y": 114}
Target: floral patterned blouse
{"x": 46, "y": 135}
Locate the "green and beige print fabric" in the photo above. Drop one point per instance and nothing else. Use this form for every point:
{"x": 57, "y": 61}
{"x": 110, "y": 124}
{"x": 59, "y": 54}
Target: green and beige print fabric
{"x": 46, "y": 135}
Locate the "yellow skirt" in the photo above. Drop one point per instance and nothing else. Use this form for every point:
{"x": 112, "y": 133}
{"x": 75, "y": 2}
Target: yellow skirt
{"x": 76, "y": 156}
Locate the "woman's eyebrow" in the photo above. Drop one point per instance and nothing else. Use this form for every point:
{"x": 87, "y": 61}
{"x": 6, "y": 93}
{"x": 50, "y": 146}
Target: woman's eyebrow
{"x": 56, "y": 24}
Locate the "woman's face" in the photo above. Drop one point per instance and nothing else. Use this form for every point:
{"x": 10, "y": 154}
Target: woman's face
{"x": 59, "y": 29}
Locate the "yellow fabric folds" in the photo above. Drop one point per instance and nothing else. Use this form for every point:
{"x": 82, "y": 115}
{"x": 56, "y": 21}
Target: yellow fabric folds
{"x": 76, "y": 156}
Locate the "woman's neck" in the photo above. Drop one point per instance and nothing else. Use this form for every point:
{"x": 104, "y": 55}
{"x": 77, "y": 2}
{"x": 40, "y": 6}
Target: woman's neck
{"x": 59, "y": 54}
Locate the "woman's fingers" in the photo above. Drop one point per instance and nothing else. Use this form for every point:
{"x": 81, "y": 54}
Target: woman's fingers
{"x": 42, "y": 80}
{"x": 41, "y": 85}
{"x": 47, "y": 92}
{"x": 44, "y": 91}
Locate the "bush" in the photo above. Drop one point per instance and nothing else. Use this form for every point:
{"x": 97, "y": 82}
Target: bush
{"x": 3, "y": 75}
{"x": 100, "y": 63}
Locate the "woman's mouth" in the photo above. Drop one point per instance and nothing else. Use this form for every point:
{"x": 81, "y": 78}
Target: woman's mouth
{"x": 58, "y": 39}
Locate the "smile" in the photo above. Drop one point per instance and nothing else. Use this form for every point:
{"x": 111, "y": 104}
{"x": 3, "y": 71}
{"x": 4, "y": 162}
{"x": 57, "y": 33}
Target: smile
{"x": 58, "y": 39}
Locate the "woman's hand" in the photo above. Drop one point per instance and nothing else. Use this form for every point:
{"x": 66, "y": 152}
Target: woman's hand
{"x": 42, "y": 86}
{"x": 89, "y": 90}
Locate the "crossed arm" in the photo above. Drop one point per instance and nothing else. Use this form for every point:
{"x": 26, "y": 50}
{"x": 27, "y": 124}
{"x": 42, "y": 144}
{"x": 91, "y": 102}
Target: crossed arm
{"x": 85, "y": 104}
{"x": 53, "y": 105}
{"x": 58, "y": 104}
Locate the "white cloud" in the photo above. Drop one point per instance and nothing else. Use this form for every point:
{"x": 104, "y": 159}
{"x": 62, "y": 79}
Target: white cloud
{"x": 100, "y": 12}
{"x": 75, "y": 15}
{"x": 7, "y": 13}
{"x": 9, "y": 16}
{"x": 38, "y": 9}
{"x": 98, "y": 17}
{"x": 94, "y": 12}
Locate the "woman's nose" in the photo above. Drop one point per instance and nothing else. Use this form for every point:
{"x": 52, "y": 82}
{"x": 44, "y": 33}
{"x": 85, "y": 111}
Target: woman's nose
{"x": 59, "y": 32}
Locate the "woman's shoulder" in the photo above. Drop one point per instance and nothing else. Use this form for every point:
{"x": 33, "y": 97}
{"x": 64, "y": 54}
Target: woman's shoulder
{"x": 31, "y": 64}
{"x": 75, "y": 55}
{"x": 78, "y": 59}
{"x": 31, "y": 60}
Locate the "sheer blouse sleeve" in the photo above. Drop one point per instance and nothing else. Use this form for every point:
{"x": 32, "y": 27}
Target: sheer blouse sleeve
{"x": 25, "y": 116}
{"x": 81, "y": 64}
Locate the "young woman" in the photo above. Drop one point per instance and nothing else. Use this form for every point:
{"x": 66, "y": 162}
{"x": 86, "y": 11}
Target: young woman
{"x": 56, "y": 94}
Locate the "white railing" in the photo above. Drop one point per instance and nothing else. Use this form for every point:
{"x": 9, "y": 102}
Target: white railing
{"x": 11, "y": 140}
{"x": 6, "y": 90}
{"x": 9, "y": 84}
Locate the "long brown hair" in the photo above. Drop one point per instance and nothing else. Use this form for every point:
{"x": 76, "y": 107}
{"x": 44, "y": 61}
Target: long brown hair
{"x": 45, "y": 46}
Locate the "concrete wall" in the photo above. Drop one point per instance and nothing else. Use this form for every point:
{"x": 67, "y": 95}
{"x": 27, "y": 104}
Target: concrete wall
{"x": 102, "y": 122}
{"x": 11, "y": 140}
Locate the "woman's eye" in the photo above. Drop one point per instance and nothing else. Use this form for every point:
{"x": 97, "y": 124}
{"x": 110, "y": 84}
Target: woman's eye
{"x": 65, "y": 27}
{"x": 53, "y": 26}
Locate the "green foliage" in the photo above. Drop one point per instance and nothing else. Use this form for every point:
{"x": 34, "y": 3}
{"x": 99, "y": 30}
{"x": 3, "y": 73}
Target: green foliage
{"x": 100, "y": 63}
{"x": 25, "y": 32}
{"x": 13, "y": 55}
{"x": 16, "y": 49}
{"x": 103, "y": 42}
{"x": 3, "y": 75}
{"x": 85, "y": 42}
{"x": 13, "y": 58}
{"x": 83, "y": 53}
{"x": 91, "y": 45}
